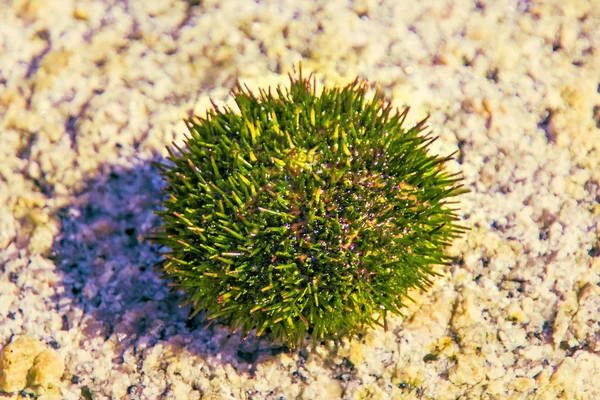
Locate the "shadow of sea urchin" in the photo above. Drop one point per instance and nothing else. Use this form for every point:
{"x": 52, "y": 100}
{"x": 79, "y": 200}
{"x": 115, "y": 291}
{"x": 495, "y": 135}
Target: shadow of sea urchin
{"x": 304, "y": 212}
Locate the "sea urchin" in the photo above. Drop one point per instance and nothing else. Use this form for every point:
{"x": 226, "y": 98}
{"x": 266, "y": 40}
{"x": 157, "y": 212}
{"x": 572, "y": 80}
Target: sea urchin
{"x": 304, "y": 212}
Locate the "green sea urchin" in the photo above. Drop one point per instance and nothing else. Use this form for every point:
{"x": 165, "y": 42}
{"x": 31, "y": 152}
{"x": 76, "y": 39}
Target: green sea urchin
{"x": 304, "y": 213}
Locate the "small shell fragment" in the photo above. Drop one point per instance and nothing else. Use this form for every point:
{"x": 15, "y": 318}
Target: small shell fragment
{"x": 26, "y": 363}
{"x": 16, "y": 360}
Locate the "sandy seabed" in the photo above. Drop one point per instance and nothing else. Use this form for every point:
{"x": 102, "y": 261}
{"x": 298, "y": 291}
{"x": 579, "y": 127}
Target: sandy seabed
{"x": 92, "y": 91}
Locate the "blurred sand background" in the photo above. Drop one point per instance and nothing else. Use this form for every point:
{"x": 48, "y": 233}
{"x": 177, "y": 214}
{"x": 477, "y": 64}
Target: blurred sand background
{"x": 92, "y": 91}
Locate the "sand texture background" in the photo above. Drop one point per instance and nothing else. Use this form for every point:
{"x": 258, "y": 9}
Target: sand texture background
{"x": 92, "y": 91}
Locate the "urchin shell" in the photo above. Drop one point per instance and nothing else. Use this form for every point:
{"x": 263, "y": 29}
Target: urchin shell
{"x": 304, "y": 212}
